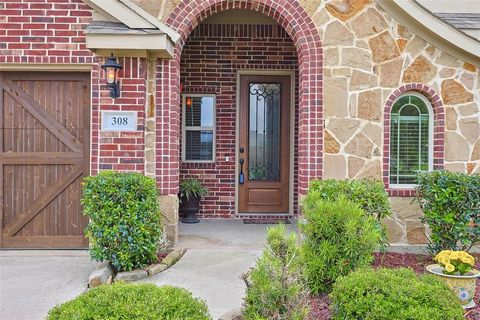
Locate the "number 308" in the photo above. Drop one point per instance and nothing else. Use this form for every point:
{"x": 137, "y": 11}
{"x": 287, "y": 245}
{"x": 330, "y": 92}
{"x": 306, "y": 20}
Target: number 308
{"x": 119, "y": 120}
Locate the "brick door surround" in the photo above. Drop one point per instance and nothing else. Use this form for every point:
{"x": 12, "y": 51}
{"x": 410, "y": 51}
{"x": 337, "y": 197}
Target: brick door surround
{"x": 187, "y": 15}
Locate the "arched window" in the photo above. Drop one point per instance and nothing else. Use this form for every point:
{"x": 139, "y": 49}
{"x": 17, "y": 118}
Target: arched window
{"x": 411, "y": 136}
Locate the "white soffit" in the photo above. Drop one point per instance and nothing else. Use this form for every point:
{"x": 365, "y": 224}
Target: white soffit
{"x": 438, "y": 33}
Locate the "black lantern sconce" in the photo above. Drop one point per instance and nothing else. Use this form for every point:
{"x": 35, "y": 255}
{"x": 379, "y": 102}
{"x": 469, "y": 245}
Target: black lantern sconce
{"x": 111, "y": 75}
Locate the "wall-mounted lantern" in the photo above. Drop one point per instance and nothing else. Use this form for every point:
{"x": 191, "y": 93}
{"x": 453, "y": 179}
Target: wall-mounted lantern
{"x": 111, "y": 68}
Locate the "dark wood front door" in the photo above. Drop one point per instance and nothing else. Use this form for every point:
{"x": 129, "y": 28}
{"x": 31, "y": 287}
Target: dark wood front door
{"x": 44, "y": 153}
{"x": 264, "y": 144}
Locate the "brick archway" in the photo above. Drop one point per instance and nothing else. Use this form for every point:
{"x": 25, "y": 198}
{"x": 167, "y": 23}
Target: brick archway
{"x": 438, "y": 132}
{"x": 292, "y": 17}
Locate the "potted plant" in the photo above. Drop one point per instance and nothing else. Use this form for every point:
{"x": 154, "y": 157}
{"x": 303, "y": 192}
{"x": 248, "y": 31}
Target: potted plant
{"x": 191, "y": 191}
{"x": 456, "y": 269}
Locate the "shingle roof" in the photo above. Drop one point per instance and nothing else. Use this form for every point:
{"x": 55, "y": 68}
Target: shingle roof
{"x": 107, "y": 27}
{"x": 461, "y": 20}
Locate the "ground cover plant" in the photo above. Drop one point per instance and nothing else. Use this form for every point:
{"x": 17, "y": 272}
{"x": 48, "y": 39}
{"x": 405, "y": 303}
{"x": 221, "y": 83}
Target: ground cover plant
{"x": 392, "y": 295}
{"x": 275, "y": 287}
{"x": 451, "y": 208}
{"x": 132, "y": 301}
{"x": 125, "y": 222}
{"x": 339, "y": 237}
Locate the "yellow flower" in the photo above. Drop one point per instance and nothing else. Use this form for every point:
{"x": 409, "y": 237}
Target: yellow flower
{"x": 449, "y": 267}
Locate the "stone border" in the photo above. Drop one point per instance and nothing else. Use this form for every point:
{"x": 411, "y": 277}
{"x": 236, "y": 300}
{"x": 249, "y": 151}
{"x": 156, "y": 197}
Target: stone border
{"x": 104, "y": 273}
{"x": 235, "y": 314}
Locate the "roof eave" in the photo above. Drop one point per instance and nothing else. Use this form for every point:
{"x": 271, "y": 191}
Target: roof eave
{"x": 438, "y": 33}
{"x": 131, "y": 45}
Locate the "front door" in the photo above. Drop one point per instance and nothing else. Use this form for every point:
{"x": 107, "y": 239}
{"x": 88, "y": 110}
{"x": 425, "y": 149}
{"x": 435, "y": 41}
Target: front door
{"x": 264, "y": 144}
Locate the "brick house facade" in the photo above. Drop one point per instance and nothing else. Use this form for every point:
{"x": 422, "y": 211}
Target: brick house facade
{"x": 349, "y": 61}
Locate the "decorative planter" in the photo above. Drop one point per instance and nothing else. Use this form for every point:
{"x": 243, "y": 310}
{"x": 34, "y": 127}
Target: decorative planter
{"x": 463, "y": 286}
{"x": 190, "y": 209}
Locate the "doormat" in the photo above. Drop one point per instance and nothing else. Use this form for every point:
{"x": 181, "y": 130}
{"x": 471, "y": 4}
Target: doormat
{"x": 266, "y": 221}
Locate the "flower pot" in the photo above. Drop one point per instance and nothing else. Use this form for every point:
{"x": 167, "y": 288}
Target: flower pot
{"x": 462, "y": 285}
{"x": 189, "y": 209}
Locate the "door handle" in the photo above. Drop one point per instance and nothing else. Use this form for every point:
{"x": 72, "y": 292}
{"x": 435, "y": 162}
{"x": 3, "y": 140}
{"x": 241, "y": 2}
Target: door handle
{"x": 241, "y": 177}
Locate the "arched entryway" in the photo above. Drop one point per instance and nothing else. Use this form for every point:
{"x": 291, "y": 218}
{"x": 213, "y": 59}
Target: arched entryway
{"x": 295, "y": 21}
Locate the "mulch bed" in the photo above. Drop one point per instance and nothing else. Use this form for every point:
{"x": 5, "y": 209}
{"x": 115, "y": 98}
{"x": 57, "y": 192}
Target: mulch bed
{"x": 320, "y": 304}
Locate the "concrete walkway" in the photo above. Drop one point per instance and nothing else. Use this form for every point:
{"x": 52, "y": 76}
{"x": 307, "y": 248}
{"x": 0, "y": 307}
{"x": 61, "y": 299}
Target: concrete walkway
{"x": 32, "y": 282}
{"x": 219, "y": 251}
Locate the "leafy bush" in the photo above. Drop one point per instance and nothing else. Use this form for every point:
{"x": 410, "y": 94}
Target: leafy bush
{"x": 451, "y": 208}
{"x": 396, "y": 294}
{"x": 369, "y": 194}
{"x": 275, "y": 289}
{"x": 125, "y": 224}
{"x": 132, "y": 301}
{"x": 339, "y": 238}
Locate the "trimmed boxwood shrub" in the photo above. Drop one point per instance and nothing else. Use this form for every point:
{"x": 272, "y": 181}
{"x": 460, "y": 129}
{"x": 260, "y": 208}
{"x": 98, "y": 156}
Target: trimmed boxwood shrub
{"x": 339, "y": 237}
{"x": 451, "y": 208}
{"x": 125, "y": 222}
{"x": 396, "y": 294}
{"x": 275, "y": 286}
{"x": 132, "y": 301}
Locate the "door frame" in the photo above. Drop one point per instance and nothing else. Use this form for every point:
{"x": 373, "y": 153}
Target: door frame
{"x": 266, "y": 72}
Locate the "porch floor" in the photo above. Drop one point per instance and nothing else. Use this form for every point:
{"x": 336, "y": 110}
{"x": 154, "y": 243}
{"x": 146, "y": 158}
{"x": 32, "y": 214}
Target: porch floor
{"x": 224, "y": 234}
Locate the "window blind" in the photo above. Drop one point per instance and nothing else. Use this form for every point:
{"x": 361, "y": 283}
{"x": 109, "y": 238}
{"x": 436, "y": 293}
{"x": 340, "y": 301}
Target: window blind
{"x": 199, "y": 136}
{"x": 409, "y": 140}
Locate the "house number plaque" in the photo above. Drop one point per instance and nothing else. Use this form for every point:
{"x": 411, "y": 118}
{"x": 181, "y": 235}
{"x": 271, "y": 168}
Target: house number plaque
{"x": 119, "y": 121}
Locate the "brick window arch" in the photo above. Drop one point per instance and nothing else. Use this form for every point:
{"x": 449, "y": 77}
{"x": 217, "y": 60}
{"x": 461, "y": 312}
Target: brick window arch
{"x": 437, "y": 141}
{"x": 186, "y": 16}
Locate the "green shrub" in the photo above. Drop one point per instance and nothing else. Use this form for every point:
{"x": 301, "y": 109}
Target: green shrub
{"x": 275, "y": 288}
{"x": 125, "y": 223}
{"x": 369, "y": 194}
{"x": 132, "y": 301}
{"x": 451, "y": 208}
{"x": 338, "y": 238}
{"x": 397, "y": 294}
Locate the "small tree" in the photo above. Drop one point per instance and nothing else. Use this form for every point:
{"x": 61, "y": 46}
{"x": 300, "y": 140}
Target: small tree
{"x": 451, "y": 208}
{"x": 275, "y": 288}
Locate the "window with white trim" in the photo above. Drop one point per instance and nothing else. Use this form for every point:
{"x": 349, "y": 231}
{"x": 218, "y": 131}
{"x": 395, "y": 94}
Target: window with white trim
{"x": 198, "y": 124}
{"x": 411, "y": 138}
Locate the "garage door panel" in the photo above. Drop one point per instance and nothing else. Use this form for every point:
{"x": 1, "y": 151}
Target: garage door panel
{"x": 44, "y": 155}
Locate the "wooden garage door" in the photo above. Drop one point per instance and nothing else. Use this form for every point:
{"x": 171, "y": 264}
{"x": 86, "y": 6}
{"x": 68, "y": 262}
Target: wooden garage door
{"x": 44, "y": 144}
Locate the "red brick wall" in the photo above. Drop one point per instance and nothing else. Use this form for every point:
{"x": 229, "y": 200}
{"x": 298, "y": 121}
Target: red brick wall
{"x": 123, "y": 151}
{"x": 44, "y": 31}
{"x": 209, "y": 63}
{"x": 52, "y": 31}
{"x": 185, "y": 17}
